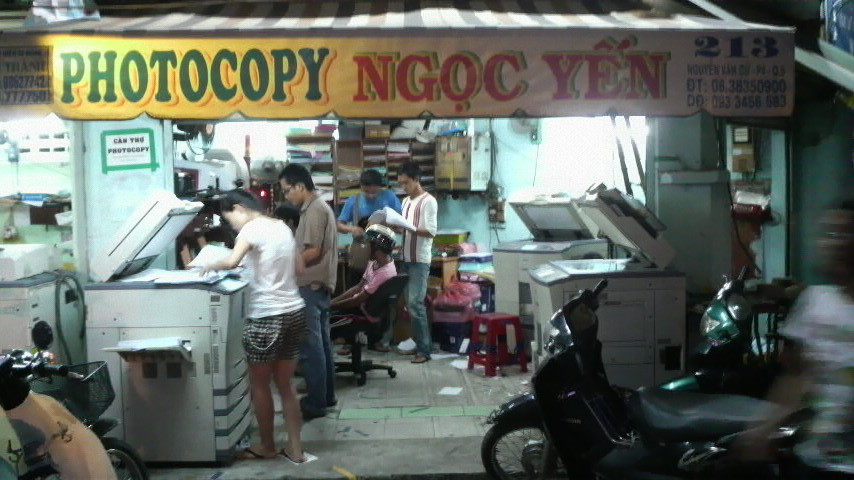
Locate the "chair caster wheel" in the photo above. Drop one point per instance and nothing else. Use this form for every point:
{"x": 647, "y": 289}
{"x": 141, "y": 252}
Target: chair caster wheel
{"x": 361, "y": 379}
{"x": 392, "y": 373}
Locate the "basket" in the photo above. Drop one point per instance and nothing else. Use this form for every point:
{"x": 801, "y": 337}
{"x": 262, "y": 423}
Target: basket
{"x": 87, "y": 398}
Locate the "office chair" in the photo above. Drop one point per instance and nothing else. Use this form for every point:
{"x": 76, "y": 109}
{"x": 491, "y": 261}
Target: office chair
{"x": 378, "y": 305}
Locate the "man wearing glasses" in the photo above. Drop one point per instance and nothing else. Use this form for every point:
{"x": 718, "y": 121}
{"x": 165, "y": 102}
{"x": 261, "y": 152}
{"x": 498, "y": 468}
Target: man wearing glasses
{"x": 317, "y": 241}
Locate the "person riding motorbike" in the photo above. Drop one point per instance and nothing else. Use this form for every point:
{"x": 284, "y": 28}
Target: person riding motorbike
{"x": 819, "y": 361}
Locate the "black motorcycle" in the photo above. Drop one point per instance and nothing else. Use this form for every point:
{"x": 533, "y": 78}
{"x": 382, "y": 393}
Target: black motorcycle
{"x": 595, "y": 429}
{"x": 84, "y": 390}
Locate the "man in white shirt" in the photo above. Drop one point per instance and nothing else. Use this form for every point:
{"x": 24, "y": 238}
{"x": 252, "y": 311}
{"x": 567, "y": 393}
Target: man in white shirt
{"x": 420, "y": 209}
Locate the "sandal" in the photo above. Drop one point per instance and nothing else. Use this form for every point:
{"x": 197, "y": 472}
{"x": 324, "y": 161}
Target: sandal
{"x": 284, "y": 453}
{"x": 379, "y": 348}
{"x": 345, "y": 351}
{"x": 249, "y": 454}
{"x": 420, "y": 359}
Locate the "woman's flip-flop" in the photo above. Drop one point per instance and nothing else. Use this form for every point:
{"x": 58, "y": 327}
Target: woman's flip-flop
{"x": 249, "y": 454}
{"x": 284, "y": 453}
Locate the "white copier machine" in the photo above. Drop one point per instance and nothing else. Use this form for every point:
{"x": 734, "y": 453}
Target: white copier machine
{"x": 32, "y": 292}
{"x": 642, "y": 311}
{"x": 172, "y": 342}
{"x": 558, "y": 233}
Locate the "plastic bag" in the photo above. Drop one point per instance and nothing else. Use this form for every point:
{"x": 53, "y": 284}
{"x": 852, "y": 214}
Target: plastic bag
{"x": 470, "y": 290}
{"x": 458, "y": 296}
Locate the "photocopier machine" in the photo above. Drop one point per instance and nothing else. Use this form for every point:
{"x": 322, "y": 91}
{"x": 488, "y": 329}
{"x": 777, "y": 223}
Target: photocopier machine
{"x": 558, "y": 234}
{"x": 172, "y": 341}
{"x": 38, "y": 299}
{"x": 642, "y": 311}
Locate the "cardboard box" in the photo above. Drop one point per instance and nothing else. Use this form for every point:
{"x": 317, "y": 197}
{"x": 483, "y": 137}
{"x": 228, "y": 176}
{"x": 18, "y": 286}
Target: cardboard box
{"x": 453, "y": 163}
{"x": 742, "y": 158}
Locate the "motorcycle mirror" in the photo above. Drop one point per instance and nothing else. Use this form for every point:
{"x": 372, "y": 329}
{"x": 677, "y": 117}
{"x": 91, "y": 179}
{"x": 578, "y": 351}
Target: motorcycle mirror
{"x": 42, "y": 335}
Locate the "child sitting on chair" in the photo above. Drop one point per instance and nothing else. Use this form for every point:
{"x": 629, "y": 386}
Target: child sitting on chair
{"x": 379, "y": 270}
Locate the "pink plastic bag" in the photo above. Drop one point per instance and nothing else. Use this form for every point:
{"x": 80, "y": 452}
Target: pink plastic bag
{"x": 470, "y": 290}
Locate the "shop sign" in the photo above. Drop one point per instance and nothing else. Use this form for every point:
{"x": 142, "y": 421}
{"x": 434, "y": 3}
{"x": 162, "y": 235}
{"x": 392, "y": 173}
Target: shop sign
{"x": 552, "y": 73}
{"x": 25, "y": 75}
{"x": 127, "y": 150}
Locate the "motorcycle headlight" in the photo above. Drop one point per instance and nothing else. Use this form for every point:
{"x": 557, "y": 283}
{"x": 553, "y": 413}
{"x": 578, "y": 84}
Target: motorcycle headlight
{"x": 549, "y": 340}
{"x": 738, "y": 307}
{"x": 708, "y": 324}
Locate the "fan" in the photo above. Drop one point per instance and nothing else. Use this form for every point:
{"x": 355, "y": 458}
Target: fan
{"x": 266, "y": 170}
{"x": 526, "y": 126}
{"x": 199, "y": 137}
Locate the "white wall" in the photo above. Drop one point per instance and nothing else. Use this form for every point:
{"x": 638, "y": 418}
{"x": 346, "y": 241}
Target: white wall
{"x": 572, "y": 154}
{"x": 696, "y": 212}
{"x": 111, "y": 197}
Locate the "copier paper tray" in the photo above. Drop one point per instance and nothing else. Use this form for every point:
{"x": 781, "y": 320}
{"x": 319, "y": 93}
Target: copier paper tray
{"x": 153, "y": 349}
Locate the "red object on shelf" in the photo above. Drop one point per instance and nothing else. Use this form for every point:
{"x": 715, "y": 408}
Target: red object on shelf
{"x": 489, "y": 350}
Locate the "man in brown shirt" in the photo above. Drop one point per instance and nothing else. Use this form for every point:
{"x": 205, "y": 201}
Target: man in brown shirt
{"x": 317, "y": 241}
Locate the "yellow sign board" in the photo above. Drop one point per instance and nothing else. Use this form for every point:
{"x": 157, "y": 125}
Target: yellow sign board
{"x": 553, "y": 73}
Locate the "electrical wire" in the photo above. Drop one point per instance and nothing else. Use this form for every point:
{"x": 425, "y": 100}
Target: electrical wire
{"x": 536, "y": 165}
{"x": 68, "y": 279}
{"x": 739, "y": 240}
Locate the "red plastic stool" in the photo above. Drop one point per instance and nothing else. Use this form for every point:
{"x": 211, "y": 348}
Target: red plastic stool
{"x": 495, "y": 353}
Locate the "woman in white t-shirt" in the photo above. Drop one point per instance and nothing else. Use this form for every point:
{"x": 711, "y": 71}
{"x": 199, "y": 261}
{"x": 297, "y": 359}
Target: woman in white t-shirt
{"x": 275, "y": 323}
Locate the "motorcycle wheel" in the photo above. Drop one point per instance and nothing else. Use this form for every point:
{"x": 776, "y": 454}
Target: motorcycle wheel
{"x": 513, "y": 452}
{"x": 126, "y": 462}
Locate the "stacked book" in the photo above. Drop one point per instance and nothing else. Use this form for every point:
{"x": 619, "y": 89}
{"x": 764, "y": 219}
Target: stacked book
{"x": 374, "y": 152}
{"x": 398, "y": 153}
{"x": 309, "y": 149}
{"x": 424, "y": 154}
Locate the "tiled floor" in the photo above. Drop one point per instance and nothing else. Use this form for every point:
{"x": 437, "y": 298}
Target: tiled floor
{"x": 396, "y": 419}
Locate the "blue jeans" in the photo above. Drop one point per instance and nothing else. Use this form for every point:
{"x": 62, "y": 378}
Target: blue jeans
{"x": 416, "y": 291}
{"x": 317, "y": 364}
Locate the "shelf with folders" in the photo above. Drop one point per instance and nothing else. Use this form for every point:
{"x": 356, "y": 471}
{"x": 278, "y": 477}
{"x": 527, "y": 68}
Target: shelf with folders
{"x": 375, "y": 155}
{"x": 424, "y": 155}
{"x": 348, "y": 169}
{"x": 315, "y": 152}
{"x": 398, "y": 152}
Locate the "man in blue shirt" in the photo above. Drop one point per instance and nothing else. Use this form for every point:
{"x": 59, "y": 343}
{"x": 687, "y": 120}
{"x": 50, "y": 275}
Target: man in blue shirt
{"x": 372, "y": 198}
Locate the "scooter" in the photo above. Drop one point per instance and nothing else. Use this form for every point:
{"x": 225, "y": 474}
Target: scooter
{"x": 60, "y": 431}
{"x": 734, "y": 355}
{"x": 587, "y": 419}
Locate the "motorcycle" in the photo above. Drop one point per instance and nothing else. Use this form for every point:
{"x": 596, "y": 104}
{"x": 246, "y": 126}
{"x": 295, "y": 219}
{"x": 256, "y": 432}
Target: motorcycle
{"x": 734, "y": 356}
{"x": 60, "y": 431}
{"x": 596, "y": 429}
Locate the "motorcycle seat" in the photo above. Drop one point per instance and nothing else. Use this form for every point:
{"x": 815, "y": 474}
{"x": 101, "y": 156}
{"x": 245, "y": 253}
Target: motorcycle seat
{"x": 668, "y": 415}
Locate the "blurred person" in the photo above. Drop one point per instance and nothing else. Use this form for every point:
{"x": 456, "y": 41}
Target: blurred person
{"x": 818, "y": 361}
{"x": 275, "y": 325}
{"x": 420, "y": 209}
{"x": 288, "y": 214}
{"x": 317, "y": 241}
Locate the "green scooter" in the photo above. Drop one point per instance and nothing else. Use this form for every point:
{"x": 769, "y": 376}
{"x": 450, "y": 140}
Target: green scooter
{"x": 735, "y": 355}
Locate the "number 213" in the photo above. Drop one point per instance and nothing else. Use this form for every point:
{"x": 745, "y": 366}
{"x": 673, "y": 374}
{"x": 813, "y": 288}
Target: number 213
{"x": 764, "y": 47}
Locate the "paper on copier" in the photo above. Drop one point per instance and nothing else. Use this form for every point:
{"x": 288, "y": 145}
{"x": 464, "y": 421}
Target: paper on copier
{"x": 210, "y": 254}
{"x": 165, "y": 344}
{"x": 174, "y": 277}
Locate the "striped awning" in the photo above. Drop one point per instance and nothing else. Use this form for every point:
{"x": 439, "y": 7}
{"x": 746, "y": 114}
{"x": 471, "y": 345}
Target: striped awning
{"x": 213, "y": 59}
{"x": 345, "y": 17}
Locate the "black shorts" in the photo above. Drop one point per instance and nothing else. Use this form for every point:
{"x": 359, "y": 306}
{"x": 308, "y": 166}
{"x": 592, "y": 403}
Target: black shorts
{"x": 277, "y": 337}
